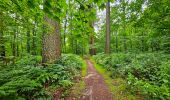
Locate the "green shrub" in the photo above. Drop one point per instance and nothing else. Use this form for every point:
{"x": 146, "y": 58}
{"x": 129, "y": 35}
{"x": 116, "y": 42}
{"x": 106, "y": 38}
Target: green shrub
{"x": 25, "y": 81}
{"x": 148, "y": 73}
{"x": 29, "y": 60}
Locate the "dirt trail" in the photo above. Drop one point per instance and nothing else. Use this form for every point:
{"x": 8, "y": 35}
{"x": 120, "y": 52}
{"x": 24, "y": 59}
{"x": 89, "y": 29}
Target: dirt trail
{"x": 96, "y": 89}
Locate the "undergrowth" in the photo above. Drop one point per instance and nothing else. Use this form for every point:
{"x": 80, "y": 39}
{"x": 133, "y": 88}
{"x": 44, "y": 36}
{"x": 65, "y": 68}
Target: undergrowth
{"x": 117, "y": 86}
{"x": 27, "y": 81}
{"x": 145, "y": 74}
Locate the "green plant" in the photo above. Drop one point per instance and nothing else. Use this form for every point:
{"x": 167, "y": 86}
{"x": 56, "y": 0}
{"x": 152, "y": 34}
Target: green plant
{"x": 146, "y": 73}
{"x": 24, "y": 80}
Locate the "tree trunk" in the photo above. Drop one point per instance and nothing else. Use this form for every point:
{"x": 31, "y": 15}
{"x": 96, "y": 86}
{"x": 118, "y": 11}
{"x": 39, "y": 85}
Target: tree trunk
{"x": 51, "y": 41}
{"x": 92, "y": 49}
{"x": 117, "y": 42}
{"x": 124, "y": 28}
{"x": 14, "y": 40}
{"x": 28, "y": 41}
{"x": 107, "y": 42}
{"x": 64, "y": 37}
{"x": 34, "y": 38}
{"x": 2, "y": 42}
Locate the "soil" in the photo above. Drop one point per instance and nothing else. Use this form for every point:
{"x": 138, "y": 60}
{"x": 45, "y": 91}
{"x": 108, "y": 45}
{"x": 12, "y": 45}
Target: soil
{"x": 96, "y": 89}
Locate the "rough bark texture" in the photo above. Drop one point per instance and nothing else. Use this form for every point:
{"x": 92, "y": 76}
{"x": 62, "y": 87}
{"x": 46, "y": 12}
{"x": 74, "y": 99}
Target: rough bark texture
{"x": 51, "y": 41}
{"x": 107, "y": 45}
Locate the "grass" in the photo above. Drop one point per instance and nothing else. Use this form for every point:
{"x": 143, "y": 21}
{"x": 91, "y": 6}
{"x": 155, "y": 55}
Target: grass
{"x": 78, "y": 88}
{"x": 84, "y": 69}
{"x": 117, "y": 86}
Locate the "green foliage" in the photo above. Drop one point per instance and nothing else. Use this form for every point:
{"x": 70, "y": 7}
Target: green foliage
{"x": 146, "y": 73}
{"x": 29, "y": 60}
{"x": 28, "y": 81}
{"x": 71, "y": 60}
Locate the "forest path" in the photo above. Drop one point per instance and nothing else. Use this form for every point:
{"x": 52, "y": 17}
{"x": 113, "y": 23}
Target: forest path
{"x": 96, "y": 89}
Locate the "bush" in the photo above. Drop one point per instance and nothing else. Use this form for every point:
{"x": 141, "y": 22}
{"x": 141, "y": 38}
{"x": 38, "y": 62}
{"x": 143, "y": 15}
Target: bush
{"x": 30, "y": 82}
{"x": 148, "y": 73}
{"x": 29, "y": 60}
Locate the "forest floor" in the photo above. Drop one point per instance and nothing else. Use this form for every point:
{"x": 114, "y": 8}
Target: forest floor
{"x": 96, "y": 84}
{"x": 92, "y": 87}
{"x": 96, "y": 89}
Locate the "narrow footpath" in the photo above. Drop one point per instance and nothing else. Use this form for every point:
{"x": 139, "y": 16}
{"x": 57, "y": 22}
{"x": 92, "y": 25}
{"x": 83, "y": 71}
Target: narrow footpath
{"x": 96, "y": 89}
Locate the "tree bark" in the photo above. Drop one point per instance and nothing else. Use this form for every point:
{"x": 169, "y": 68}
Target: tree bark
{"x": 51, "y": 50}
{"x": 28, "y": 41}
{"x": 2, "y": 42}
{"x": 107, "y": 43}
{"x": 14, "y": 49}
{"x": 117, "y": 42}
{"x": 64, "y": 37}
{"x": 124, "y": 27}
{"x": 34, "y": 38}
{"x": 92, "y": 49}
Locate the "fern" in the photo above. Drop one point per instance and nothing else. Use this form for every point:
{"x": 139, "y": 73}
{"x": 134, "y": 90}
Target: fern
{"x": 26, "y": 81}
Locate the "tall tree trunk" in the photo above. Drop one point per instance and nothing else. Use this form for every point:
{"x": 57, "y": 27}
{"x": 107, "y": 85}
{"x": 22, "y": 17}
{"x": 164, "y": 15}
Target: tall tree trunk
{"x": 116, "y": 41}
{"x": 124, "y": 26}
{"x": 2, "y": 42}
{"x": 28, "y": 41}
{"x": 17, "y": 45}
{"x": 76, "y": 47}
{"x": 14, "y": 51}
{"x": 34, "y": 37}
{"x": 107, "y": 42}
{"x": 51, "y": 50}
{"x": 131, "y": 44}
{"x": 64, "y": 37}
{"x": 92, "y": 50}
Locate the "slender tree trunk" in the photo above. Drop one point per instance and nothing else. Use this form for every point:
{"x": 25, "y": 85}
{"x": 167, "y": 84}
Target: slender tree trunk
{"x": 124, "y": 27}
{"x": 142, "y": 40}
{"x": 34, "y": 38}
{"x": 28, "y": 41}
{"x": 17, "y": 45}
{"x": 71, "y": 38}
{"x": 92, "y": 50}
{"x": 107, "y": 44}
{"x": 131, "y": 44}
{"x": 71, "y": 35}
{"x": 22, "y": 48}
{"x": 76, "y": 51}
{"x": 64, "y": 37}
{"x": 116, "y": 42}
{"x": 82, "y": 47}
{"x": 2, "y": 42}
{"x": 14, "y": 51}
